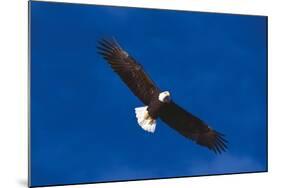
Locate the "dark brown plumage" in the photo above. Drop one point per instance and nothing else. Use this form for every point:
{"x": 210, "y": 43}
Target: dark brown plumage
{"x": 143, "y": 87}
{"x": 192, "y": 127}
{"x": 129, "y": 70}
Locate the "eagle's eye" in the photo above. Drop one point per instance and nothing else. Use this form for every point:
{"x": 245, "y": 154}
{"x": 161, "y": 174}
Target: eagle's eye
{"x": 167, "y": 99}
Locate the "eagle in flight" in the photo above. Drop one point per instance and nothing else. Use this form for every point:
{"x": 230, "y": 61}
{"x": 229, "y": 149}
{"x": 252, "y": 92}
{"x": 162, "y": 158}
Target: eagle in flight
{"x": 158, "y": 104}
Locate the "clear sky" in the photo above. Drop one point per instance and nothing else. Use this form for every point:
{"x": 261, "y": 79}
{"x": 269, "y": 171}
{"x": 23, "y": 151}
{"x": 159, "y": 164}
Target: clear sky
{"x": 83, "y": 125}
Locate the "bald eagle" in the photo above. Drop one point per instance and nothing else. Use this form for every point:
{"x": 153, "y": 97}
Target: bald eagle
{"x": 158, "y": 104}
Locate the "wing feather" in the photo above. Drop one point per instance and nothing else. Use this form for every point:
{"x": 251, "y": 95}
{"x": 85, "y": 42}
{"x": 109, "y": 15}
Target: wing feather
{"x": 193, "y": 128}
{"x": 129, "y": 70}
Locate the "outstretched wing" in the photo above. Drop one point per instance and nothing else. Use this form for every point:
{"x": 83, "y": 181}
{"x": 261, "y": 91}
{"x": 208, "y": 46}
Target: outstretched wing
{"x": 129, "y": 70}
{"x": 193, "y": 128}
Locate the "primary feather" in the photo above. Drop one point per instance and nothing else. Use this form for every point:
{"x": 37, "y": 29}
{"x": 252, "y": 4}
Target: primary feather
{"x": 193, "y": 128}
{"x": 129, "y": 70}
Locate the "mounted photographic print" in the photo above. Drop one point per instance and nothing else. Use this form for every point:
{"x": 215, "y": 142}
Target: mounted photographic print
{"x": 120, "y": 93}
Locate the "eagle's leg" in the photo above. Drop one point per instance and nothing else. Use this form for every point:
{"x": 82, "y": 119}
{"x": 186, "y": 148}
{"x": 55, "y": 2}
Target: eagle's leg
{"x": 145, "y": 120}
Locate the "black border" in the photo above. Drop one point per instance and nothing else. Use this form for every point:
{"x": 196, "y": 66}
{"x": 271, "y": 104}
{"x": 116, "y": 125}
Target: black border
{"x": 129, "y": 180}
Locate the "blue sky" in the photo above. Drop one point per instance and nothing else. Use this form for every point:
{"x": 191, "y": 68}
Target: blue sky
{"x": 83, "y": 126}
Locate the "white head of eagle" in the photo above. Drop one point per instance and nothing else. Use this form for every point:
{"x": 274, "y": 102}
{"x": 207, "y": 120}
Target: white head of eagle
{"x": 158, "y": 104}
{"x": 164, "y": 97}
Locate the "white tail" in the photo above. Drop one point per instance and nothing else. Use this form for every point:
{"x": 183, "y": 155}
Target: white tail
{"x": 144, "y": 120}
